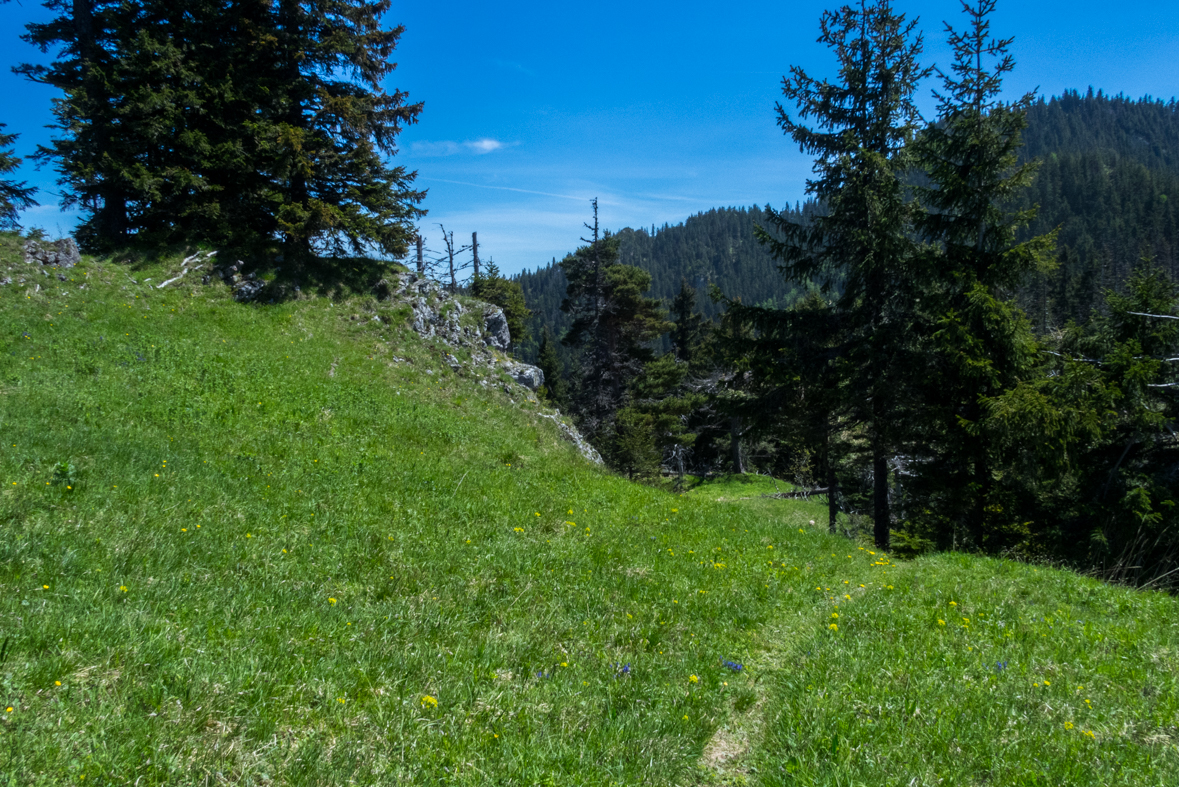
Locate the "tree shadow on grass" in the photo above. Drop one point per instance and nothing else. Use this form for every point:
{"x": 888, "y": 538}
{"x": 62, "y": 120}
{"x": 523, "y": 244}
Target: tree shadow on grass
{"x": 329, "y": 277}
{"x": 336, "y": 278}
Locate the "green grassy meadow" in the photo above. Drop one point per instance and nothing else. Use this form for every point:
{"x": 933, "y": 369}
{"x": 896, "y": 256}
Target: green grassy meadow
{"x": 260, "y": 545}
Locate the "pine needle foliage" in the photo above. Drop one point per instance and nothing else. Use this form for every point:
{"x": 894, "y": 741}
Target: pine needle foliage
{"x": 14, "y": 195}
{"x": 243, "y": 124}
{"x": 982, "y": 344}
{"x": 863, "y": 126}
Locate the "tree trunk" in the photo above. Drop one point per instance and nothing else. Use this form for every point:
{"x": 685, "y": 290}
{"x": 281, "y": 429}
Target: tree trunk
{"x": 832, "y": 483}
{"x": 735, "y": 444}
{"x": 475, "y": 251}
{"x": 112, "y": 213}
{"x": 421, "y": 257}
{"x": 450, "y": 253}
{"x": 880, "y": 512}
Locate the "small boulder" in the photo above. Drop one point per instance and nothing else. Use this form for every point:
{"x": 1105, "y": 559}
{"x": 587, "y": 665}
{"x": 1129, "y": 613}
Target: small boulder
{"x": 531, "y": 377}
{"x": 60, "y": 253}
{"x": 248, "y": 290}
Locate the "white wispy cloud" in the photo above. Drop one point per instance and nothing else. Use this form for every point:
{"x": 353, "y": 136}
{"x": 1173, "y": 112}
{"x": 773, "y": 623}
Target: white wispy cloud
{"x": 479, "y": 147}
{"x": 485, "y": 145}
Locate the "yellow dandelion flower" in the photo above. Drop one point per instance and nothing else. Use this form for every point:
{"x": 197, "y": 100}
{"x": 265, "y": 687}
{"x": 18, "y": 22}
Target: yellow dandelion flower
{"x": 941, "y": 622}
{"x": 331, "y": 601}
{"x": 429, "y": 702}
{"x": 834, "y": 627}
{"x": 693, "y": 679}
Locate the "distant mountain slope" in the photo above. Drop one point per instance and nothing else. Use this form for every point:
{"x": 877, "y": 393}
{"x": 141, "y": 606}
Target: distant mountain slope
{"x": 1109, "y": 179}
{"x": 1145, "y": 130}
{"x": 714, "y": 247}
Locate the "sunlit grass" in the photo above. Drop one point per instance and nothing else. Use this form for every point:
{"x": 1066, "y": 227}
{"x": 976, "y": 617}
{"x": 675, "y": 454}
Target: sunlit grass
{"x": 244, "y": 545}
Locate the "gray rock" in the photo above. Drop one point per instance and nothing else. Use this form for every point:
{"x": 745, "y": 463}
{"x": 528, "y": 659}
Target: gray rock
{"x": 60, "y": 253}
{"x": 586, "y": 450}
{"x": 496, "y": 328}
{"x": 531, "y": 377}
{"x": 453, "y": 362}
{"x": 248, "y": 290}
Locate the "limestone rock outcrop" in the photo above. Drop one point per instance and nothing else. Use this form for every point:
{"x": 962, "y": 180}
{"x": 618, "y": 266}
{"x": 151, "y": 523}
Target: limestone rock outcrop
{"x": 59, "y": 253}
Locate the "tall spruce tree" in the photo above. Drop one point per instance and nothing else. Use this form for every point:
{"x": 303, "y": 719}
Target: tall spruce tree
{"x": 982, "y": 343}
{"x": 613, "y": 325}
{"x": 864, "y": 123}
{"x": 95, "y": 152}
{"x": 336, "y": 126}
{"x": 555, "y": 388}
{"x": 690, "y": 328}
{"x": 14, "y": 195}
{"x": 245, "y": 123}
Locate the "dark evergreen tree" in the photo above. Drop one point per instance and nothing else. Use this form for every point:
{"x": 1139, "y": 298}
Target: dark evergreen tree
{"x": 1087, "y": 448}
{"x": 555, "y": 388}
{"x": 14, "y": 195}
{"x": 95, "y": 154}
{"x": 690, "y": 330}
{"x": 335, "y": 124}
{"x": 980, "y": 340}
{"x": 864, "y": 123}
{"x": 613, "y": 325}
{"x": 243, "y": 123}
{"x": 784, "y": 369}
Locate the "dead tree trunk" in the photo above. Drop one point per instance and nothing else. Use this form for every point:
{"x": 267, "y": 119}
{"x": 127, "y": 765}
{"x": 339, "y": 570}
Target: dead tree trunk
{"x": 450, "y": 255}
{"x": 421, "y": 255}
{"x": 475, "y": 250}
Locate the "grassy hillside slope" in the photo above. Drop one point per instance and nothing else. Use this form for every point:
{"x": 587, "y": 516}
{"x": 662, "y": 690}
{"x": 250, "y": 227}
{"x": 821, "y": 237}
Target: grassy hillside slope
{"x": 261, "y": 545}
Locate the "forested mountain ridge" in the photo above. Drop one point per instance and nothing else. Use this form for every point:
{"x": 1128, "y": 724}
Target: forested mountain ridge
{"x": 714, "y": 247}
{"x": 1108, "y": 178}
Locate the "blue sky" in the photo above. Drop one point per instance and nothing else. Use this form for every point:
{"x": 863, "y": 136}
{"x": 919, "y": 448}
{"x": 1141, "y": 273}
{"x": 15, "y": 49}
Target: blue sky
{"x": 659, "y": 109}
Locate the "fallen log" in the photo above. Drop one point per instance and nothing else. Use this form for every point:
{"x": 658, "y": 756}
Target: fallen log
{"x": 798, "y": 493}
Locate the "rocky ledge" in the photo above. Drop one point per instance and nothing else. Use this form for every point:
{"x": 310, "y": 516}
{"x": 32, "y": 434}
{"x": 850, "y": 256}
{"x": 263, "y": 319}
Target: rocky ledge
{"x": 437, "y": 314}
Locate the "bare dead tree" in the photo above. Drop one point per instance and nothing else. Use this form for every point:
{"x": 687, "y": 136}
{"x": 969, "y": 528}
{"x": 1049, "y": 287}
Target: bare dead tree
{"x": 449, "y": 256}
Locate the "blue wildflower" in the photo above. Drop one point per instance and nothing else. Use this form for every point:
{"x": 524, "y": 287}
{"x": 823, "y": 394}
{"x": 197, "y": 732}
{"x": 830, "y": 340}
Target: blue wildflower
{"x": 734, "y": 666}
